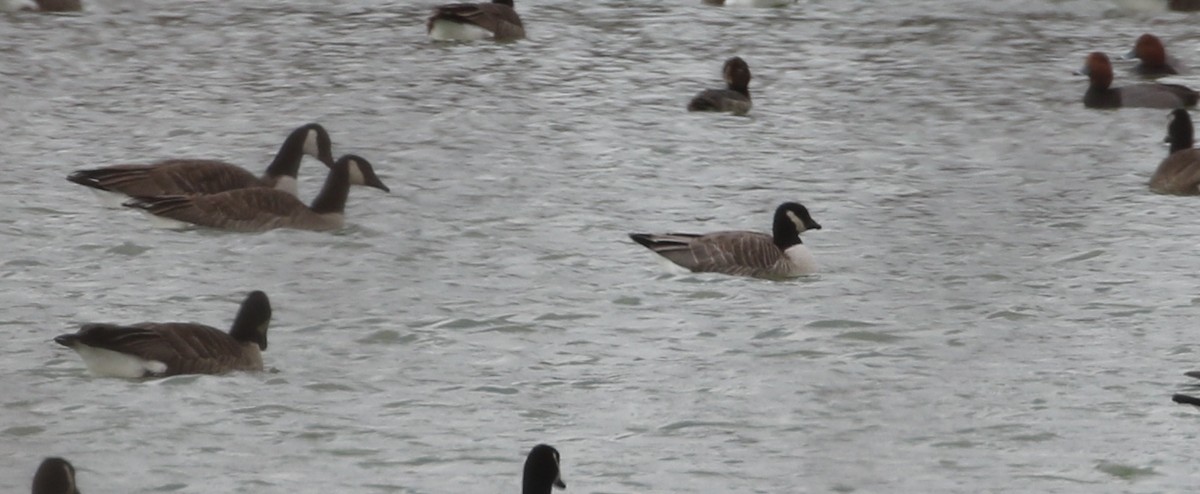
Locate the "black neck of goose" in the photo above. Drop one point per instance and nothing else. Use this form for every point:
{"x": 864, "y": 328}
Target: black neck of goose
{"x": 253, "y": 318}
{"x": 1181, "y": 132}
{"x": 332, "y": 198}
{"x": 743, "y": 89}
{"x": 287, "y": 160}
{"x": 784, "y": 231}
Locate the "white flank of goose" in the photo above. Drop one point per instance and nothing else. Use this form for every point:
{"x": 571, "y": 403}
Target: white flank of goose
{"x": 166, "y": 349}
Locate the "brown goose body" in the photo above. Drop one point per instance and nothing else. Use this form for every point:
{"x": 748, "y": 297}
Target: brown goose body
{"x": 166, "y": 349}
{"x": 498, "y": 18}
{"x": 742, "y": 253}
{"x": 1179, "y": 172}
{"x": 202, "y": 176}
{"x": 261, "y": 209}
{"x": 55, "y": 476}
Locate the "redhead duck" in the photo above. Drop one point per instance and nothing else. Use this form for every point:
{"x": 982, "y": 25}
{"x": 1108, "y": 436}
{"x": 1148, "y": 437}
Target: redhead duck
{"x": 742, "y": 253}
{"x": 475, "y": 21}
{"x": 1100, "y": 95}
{"x": 735, "y": 98}
{"x": 1154, "y": 59}
{"x": 1179, "y": 172}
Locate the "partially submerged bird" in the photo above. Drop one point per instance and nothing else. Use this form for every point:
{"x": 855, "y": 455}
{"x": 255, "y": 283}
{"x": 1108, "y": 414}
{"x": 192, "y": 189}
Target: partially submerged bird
{"x": 1154, "y": 61}
{"x": 261, "y": 209}
{"x": 166, "y": 349}
{"x": 55, "y": 476}
{"x": 736, "y": 95}
{"x": 200, "y": 176}
{"x": 749, "y": 3}
{"x": 742, "y": 253}
{"x": 1147, "y": 95}
{"x": 475, "y": 21}
{"x": 541, "y": 471}
{"x": 1179, "y": 172}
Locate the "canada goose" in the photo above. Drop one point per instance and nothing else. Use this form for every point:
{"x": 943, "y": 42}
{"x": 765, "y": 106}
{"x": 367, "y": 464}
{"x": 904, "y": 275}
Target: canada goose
{"x": 734, "y": 98}
{"x": 742, "y": 253}
{"x": 1179, "y": 172}
{"x": 194, "y": 176}
{"x": 542, "y": 471}
{"x": 166, "y": 349}
{"x": 475, "y": 21}
{"x": 55, "y": 476}
{"x": 261, "y": 209}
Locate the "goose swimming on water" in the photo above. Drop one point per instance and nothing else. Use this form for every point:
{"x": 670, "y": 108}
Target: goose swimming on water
{"x": 261, "y": 209}
{"x": 202, "y": 176}
{"x": 742, "y": 253}
{"x": 166, "y": 349}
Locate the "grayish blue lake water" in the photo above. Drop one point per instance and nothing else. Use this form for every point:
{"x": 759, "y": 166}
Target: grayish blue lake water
{"x": 1002, "y": 305}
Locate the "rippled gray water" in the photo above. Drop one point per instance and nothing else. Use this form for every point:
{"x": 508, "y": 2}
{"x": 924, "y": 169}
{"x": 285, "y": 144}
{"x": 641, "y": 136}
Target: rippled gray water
{"x": 1003, "y": 306}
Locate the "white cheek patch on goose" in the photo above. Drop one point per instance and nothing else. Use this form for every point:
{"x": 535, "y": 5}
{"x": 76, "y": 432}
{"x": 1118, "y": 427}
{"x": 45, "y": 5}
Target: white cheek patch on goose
{"x": 356, "y": 174}
{"x": 310, "y": 144}
{"x": 796, "y": 220}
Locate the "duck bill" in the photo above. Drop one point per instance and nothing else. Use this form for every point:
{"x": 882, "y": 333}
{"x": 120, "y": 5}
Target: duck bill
{"x": 559, "y": 483}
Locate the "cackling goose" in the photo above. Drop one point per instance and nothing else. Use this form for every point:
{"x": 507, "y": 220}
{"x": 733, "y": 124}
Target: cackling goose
{"x": 742, "y": 253}
{"x": 734, "y": 98}
{"x": 542, "y": 471}
{"x": 261, "y": 209}
{"x": 55, "y": 476}
{"x": 475, "y": 21}
{"x": 166, "y": 349}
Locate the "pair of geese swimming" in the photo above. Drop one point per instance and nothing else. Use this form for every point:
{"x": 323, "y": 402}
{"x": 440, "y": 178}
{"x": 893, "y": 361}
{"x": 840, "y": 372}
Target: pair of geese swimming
{"x": 220, "y": 195}
{"x": 542, "y": 473}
